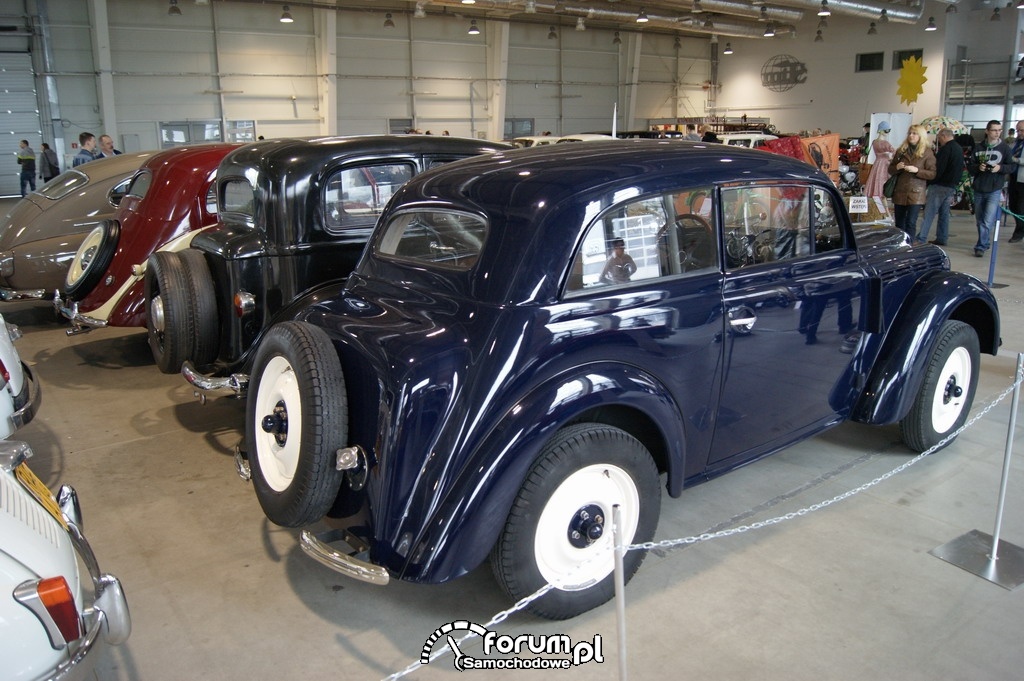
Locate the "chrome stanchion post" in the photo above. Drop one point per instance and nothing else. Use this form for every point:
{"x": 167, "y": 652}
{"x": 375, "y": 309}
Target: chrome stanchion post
{"x": 995, "y": 243}
{"x": 975, "y": 551}
{"x": 1006, "y": 458}
{"x": 620, "y": 588}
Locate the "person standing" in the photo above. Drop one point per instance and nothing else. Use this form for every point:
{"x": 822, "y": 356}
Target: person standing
{"x": 949, "y": 169}
{"x": 989, "y": 166}
{"x": 875, "y": 185}
{"x": 914, "y": 165}
{"x": 27, "y": 161}
{"x": 691, "y": 133}
{"x": 106, "y": 146}
{"x": 49, "y": 166}
{"x": 708, "y": 135}
{"x": 87, "y": 142}
{"x": 1016, "y": 186}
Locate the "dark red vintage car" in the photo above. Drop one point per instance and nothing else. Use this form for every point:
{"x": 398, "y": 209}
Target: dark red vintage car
{"x": 169, "y": 199}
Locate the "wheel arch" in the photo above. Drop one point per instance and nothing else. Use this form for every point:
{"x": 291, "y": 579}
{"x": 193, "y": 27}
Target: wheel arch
{"x": 469, "y": 515}
{"x": 892, "y": 385}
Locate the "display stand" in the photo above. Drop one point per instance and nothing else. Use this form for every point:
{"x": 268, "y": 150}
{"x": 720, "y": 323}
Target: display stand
{"x": 986, "y": 555}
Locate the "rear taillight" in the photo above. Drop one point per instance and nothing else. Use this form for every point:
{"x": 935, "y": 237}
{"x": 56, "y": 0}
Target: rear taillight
{"x": 5, "y": 375}
{"x": 53, "y": 603}
{"x": 58, "y": 600}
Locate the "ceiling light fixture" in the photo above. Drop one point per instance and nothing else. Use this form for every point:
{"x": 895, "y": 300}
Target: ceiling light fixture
{"x": 468, "y": 2}
{"x": 708, "y": 23}
{"x": 931, "y": 25}
{"x": 818, "y": 38}
{"x": 473, "y": 29}
{"x": 616, "y": 40}
{"x": 764, "y": 12}
{"x": 884, "y": 18}
{"x": 551, "y": 33}
{"x": 698, "y": 8}
{"x": 823, "y": 23}
{"x": 419, "y": 12}
{"x": 951, "y": 7}
{"x": 642, "y": 17}
{"x": 174, "y": 10}
{"x": 769, "y": 31}
{"x": 286, "y": 16}
{"x": 580, "y": 25}
{"x": 728, "y": 49}
{"x": 388, "y": 21}
{"x": 531, "y": 7}
{"x": 824, "y": 11}
{"x": 872, "y": 30}
{"x": 995, "y": 15}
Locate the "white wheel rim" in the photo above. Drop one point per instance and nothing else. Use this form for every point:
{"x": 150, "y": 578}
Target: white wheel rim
{"x": 560, "y": 562}
{"x": 946, "y": 406}
{"x": 278, "y": 462}
{"x": 84, "y": 256}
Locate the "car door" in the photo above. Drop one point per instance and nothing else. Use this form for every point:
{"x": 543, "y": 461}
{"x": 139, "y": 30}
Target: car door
{"x": 646, "y": 287}
{"x": 792, "y": 297}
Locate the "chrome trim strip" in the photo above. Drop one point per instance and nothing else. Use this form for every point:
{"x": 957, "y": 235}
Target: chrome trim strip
{"x": 338, "y": 561}
{"x": 35, "y": 396}
{"x": 27, "y": 294}
{"x": 236, "y": 383}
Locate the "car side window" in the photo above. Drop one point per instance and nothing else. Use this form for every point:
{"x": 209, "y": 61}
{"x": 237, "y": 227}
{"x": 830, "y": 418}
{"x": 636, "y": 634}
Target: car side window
{"x": 117, "y": 192}
{"x": 356, "y": 196}
{"x": 828, "y": 236}
{"x": 647, "y": 238}
{"x": 766, "y": 224}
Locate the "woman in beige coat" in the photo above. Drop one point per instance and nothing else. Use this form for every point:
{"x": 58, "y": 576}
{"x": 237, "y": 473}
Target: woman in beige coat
{"x": 914, "y": 162}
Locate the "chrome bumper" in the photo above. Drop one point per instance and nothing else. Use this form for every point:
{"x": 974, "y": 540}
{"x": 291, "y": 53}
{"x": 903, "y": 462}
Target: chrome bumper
{"x": 29, "y": 399}
{"x": 15, "y": 294}
{"x": 319, "y": 548}
{"x": 80, "y": 323}
{"x": 236, "y": 383}
{"x": 108, "y": 621}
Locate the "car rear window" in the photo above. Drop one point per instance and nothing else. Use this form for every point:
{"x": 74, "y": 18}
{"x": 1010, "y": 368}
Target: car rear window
{"x": 240, "y": 198}
{"x": 356, "y": 196}
{"x": 440, "y": 238}
{"x": 140, "y": 184}
{"x": 64, "y": 184}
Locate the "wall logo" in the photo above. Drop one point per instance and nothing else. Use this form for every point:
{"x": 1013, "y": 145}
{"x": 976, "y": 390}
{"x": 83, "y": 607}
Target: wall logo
{"x": 782, "y": 72}
{"x": 524, "y": 651}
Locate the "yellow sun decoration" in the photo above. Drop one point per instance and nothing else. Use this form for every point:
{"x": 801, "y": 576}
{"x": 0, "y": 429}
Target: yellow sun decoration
{"x": 912, "y": 80}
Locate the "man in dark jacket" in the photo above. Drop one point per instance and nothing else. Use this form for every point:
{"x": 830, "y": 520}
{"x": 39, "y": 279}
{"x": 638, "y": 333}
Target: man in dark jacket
{"x": 949, "y": 168}
{"x": 49, "y": 166}
{"x": 1016, "y": 193}
{"x": 990, "y": 165}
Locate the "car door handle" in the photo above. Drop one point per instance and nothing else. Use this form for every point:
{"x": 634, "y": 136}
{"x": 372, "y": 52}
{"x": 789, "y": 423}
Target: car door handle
{"x": 742, "y": 319}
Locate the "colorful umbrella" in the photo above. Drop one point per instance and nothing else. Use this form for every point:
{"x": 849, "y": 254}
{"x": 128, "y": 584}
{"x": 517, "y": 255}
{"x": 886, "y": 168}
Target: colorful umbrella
{"x": 936, "y": 123}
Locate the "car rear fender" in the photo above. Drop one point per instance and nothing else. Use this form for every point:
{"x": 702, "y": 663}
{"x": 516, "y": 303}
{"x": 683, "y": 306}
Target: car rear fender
{"x": 471, "y": 512}
{"x": 895, "y": 379}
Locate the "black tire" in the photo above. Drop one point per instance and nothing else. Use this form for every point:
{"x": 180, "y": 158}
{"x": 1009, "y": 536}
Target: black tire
{"x": 296, "y": 377}
{"x": 205, "y": 321}
{"x": 92, "y": 259}
{"x": 950, "y": 381}
{"x": 582, "y": 472}
{"x": 169, "y": 311}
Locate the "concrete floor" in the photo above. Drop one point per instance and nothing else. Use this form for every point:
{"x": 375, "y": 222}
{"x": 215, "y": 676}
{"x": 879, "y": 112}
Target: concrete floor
{"x": 847, "y": 592}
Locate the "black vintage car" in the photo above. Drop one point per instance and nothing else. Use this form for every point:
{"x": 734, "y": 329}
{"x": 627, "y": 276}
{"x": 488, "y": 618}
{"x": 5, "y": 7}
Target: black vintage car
{"x": 294, "y": 217}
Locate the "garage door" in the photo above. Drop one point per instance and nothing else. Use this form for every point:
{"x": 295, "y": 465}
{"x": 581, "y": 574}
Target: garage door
{"x": 19, "y": 117}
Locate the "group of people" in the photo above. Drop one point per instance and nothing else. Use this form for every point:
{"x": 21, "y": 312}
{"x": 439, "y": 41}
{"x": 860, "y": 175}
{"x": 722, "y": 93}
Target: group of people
{"x": 89, "y": 149}
{"x": 927, "y": 179}
{"x": 48, "y": 165}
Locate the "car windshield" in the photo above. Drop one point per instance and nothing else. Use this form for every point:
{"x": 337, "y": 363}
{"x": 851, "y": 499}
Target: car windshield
{"x": 441, "y": 238}
{"x": 63, "y": 184}
{"x": 239, "y": 197}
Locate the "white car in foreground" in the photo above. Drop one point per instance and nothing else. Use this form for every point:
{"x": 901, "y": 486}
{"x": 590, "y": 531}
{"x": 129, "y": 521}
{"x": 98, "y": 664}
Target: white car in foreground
{"x": 51, "y": 624}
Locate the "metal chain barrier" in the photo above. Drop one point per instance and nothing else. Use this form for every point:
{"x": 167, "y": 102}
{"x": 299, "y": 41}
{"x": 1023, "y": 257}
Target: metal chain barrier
{"x": 741, "y": 529}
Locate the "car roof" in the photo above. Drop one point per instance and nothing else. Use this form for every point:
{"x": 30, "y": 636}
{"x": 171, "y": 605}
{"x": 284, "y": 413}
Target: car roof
{"x": 537, "y": 200}
{"x": 308, "y": 155}
{"x": 196, "y": 153}
{"x": 122, "y": 164}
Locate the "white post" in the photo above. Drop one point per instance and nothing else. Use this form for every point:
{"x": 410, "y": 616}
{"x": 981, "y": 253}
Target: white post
{"x": 620, "y": 589}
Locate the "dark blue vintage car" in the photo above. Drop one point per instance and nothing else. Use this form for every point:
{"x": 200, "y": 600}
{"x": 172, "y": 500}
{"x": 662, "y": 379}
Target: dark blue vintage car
{"x": 536, "y": 335}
